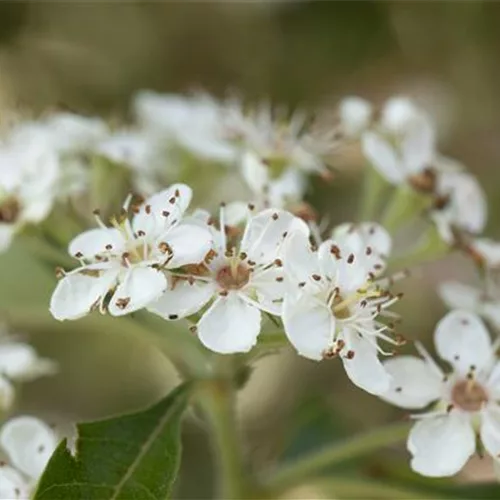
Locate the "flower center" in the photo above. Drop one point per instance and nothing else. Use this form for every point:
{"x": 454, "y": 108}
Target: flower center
{"x": 340, "y": 307}
{"x": 9, "y": 210}
{"x": 468, "y": 395}
{"x": 424, "y": 181}
{"x": 233, "y": 277}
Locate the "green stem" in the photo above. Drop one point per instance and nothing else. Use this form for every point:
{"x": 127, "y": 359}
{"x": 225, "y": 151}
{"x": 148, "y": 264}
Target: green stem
{"x": 217, "y": 399}
{"x": 313, "y": 464}
{"x": 374, "y": 186}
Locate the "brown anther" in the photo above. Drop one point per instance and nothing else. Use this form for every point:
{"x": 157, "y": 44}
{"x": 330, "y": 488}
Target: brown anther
{"x": 329, "y": 353}
{"x": 177, "y": 193}
{"x": 141, "y": 233}
{"x": 96, "y": 211}
{"x": 193, "y": 329}
{"x": 449, "y": 408}
{"x": 350, "y": 259}
{"x": 60, "y": 273}
{"x": 316, "y": 277}
{"x": 109, "y": 246}
{"x": 251, "y": 262}
{"x": 122, "y": 303}
{"x": 400, "y": 295}
{"x": 173, "y": 316}
{"x": 398, "y": 389}
{"x": 285, "y": 234}
{"x": 243, "y": 255}
{"x": 78, "y": 255}
{"x": 350, "y": 354}
{"x": 279, "y": 279}
{"x": 275, "y": 216}
{"x": 372, "y": 230}
{"x": 400, "y": 339}
{"x": 172, "y": 200}
{"x": 424, "y": 181}
{"x": 165, "y": 213}
{"x": 251, "y": 206}
{"x": 164, "y": 247}
{"x": 223, "y": 293}
{"x": 10, "y": 209}
{"x": 378, "y": 267}
{"x": 335, "y": 250}
{"x": 278, "y": 263}
{"x": 302, "y": 284}
{"x": 368, "y": 250}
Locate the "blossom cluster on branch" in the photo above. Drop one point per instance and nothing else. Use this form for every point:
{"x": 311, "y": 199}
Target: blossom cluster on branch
{"x": 264, "y": 260}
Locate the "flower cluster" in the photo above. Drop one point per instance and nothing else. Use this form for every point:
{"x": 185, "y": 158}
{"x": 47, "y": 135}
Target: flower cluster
{"x": 264, "y": 261}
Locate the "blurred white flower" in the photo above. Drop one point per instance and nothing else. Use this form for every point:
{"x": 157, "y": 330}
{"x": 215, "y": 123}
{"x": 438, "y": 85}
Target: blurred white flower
{"x": 466, "y": 401}
{"x": 355, "y": 116}
{"x": 402, "y": 145}
{"x": 198, "y": 123}
{"x": 461, "y": 205}
{"x": 28, "y": 443}
{"x": 333, "y": 301}
{"x": 123, "y": 267}
{"x": 242, "y": 277}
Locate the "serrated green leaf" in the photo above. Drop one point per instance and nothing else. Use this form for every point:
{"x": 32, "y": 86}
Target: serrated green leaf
{"x": 131, "y": 457}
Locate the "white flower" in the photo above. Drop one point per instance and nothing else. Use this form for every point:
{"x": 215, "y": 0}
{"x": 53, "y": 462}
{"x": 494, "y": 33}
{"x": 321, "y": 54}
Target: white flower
{"x": 123, "y": 267}
{"x": 242, "y": 277}
{"x": 332, "y": 303}
{"x": 466, "y": 401}
{"x": 487, "y": 252}
{"x": 198, "y": 123}
{"x": 28, "y": 443}
{"x": 355, "y": 115}
{"x": 462, "y": 204}
{"x": 402, "y": 147}
{"x": 19, "y": 362}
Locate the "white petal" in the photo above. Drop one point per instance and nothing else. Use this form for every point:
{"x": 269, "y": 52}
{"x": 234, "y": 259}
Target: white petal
{"x": 266, "y": 232}
{"x": 236, "y": 213}
{"x": 462, "y": 339}
{"x": 182, "y": 299}
{"x": 7, "y": 394}
{"x": 363, "y": 235}
{"x": 494, "y": 382}
{"x": 309, "y": 326}
{"x": 299, "y": 260}
{"x": 189, "y": 244}
{"x": 229, "y": 325}
{"x": 490, "y": 430}
{"x": 13, "y": 485}
{"x": 20, "y": 361}
{"x": 270, "y": 288}
{"x": 29, "y": 443}
{"x": 457, "y": 295}
{"x": 364, "y": 369}
{"x": 489, "y": 251}
{"x": 97, "y": 241}
{"x": 162, "y": 210}
{"x": 383, "y": 157}
{"x": 355, "y": 115}
{"x": 140, "y": 287}
{"x": 414, "y": 384}
{"x": 441, "y": 446}
{"x": 254, "y": 172}
{"x": 76, "y": 294}
{"x": 397, "y": 113}
{"x": 418, "y": 145}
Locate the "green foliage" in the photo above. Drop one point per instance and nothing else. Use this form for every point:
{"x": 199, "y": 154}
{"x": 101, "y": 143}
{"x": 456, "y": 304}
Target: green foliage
{"x": 129, "y": 457}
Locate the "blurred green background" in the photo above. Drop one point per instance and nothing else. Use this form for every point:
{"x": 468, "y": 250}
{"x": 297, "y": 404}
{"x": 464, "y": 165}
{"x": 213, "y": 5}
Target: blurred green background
{"x": 92, "y": 57}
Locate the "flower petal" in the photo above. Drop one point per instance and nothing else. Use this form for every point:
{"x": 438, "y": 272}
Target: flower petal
{"x": 300, "y": 261}
{"x": 489, "y": 250}
{"x": 20, "y": 361}
{"x": 441, "y": 446}
{"x": 490, "y": 430}
{"x": 189, "y": 244}
{"x": 414, "y": 384}
{"x": 229, "y": 325}
{"x": 254, "y": 172}
{"x": 418, "y": 145}
{"x": 363, "y": 235}
{"x": 182, "y": 299}
{"x": 266, "y": 232}
{"x": 462, "y": 339}
{"x": 355, "y": 115}
{"x": 13, "y": 485}
{"x": 97, "y": 241}
{"x": 382, "y": 156}
{"x": 29, "y": 443}
{"x": 364, "y": 368}
{"x": 270, "y": 288}
{"x": 457, "y": 295}
{"x": 309, "y": 325}
{"x": 140, "y": 287}
{"x": 494, "y": 382}
{"x": 76, "y": 294}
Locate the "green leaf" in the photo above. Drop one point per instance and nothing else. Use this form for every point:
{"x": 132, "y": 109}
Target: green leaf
{"x": 129, "y": 457}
